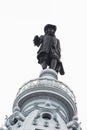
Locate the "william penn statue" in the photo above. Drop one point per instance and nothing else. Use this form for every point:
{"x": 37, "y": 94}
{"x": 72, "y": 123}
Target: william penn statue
{"x": 49, "y": 52}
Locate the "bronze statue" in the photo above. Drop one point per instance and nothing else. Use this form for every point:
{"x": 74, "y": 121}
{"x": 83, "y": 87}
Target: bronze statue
{"x": 49, "y": 51}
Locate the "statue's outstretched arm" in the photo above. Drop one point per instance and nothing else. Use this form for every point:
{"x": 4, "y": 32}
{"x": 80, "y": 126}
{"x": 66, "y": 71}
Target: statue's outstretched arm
{"x": 37, "y": 40}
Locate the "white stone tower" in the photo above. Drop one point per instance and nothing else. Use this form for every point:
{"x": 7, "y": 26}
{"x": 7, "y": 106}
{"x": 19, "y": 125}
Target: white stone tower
{"x": 44, "y": 104}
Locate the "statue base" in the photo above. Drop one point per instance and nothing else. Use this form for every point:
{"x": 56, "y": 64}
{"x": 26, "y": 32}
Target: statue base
{"x": 48, "y": 73}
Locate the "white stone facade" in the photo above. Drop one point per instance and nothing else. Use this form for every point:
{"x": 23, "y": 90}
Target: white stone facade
{"x": 43, "y": 104}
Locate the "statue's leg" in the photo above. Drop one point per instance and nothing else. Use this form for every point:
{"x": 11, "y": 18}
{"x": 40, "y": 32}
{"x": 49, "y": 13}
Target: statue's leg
{"x": 44, "y": 61}
{"x": 53, "y": 64}
{"x": 44, "y": 65}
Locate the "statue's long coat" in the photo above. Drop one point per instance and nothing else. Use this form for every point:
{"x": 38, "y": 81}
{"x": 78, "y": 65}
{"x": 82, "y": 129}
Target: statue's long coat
{"x": 49, "y": 45}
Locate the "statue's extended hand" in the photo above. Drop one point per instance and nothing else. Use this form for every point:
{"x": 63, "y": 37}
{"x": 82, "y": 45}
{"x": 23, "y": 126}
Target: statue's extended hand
{"x": 36, "y": 40}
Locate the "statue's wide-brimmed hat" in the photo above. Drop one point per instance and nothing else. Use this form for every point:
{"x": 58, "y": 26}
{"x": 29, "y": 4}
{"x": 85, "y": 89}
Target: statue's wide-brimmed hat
{"x": 50, "y": 26}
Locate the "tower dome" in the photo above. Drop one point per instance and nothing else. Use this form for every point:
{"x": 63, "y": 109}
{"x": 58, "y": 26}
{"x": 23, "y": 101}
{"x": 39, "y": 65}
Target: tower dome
{"x": 43, "y": 103}
{"x": 46, "y": 88}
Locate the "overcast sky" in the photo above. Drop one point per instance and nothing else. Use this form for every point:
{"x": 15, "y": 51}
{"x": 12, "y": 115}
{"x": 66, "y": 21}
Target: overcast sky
{"x": 20, "y": 21}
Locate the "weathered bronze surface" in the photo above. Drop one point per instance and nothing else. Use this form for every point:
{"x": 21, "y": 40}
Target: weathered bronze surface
{"x": 49, "y": 52}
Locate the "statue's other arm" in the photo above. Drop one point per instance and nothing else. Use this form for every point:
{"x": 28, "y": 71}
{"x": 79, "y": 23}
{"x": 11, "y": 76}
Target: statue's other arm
{"x": 59, "y": 48}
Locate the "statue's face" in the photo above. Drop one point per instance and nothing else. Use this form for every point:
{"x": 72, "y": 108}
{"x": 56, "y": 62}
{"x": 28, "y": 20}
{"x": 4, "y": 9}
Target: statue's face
{"x": 50, "y": 31}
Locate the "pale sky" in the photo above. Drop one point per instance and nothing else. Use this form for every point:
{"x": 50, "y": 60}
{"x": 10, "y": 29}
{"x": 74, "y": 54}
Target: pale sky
{"x": 20, "y": 21}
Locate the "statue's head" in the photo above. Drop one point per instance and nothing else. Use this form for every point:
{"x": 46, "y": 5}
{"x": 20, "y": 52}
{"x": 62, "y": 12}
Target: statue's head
{"x": 50, "y": 29}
